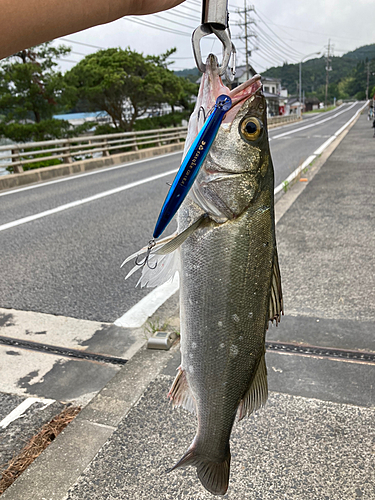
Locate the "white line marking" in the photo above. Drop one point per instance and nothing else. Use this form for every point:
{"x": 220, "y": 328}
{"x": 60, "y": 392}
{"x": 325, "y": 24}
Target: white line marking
{"x": 76, "y": 203}
{"x": 318, "y": 152}
{"x": 99, "y": 171}
{"x": 311, "y": 124}
{"x": 22, "y": 408}
{"x": 138, "y": 314}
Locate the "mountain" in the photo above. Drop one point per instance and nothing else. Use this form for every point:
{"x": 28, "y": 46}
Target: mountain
{"x": 191, "y": 74}
{"x": 347, "y": 79}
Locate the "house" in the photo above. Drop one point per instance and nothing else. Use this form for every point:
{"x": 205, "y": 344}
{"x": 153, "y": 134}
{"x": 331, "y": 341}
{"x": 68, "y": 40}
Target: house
{"x": 311, "y": 103}
{"x": 273, "y": 92}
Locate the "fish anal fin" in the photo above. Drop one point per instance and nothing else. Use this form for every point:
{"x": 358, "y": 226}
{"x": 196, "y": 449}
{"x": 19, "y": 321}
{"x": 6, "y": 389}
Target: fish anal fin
{"x": 180, "y": 394}
{"x": 276, "y": 307}
{"x": 213, "y": 475}
{"x": 257, "y": 394}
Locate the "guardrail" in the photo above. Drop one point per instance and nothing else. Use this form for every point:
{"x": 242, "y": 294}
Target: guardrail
{"x": 276, "y": 121}
{"x": 62, "y": 151}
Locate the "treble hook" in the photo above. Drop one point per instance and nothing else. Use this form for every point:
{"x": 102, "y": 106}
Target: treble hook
{"x": 151, "y": 245}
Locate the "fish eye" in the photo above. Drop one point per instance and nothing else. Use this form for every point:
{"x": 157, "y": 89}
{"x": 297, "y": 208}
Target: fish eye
{"x": 251, "y": 128}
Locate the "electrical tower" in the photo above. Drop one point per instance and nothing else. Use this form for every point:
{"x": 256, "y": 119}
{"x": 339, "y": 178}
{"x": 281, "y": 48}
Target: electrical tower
{"x": 328, "y": 68}
{"x": 249, "y": 33}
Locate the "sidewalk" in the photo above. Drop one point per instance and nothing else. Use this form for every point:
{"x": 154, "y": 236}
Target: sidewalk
{"x": 315, "y": 439}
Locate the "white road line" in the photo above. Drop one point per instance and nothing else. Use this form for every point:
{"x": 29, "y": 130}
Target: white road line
{"x": 22, "y": 408}
{"x": 76, "y": 203}
{"x": 138, "y": 314}
{"x": 311, "y": 124}
{"x": 99, "y": 171}
{"x": 317, "y": 152}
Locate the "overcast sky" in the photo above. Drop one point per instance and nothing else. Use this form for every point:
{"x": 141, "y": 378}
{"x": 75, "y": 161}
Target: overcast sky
{"x": 286, "y": 31}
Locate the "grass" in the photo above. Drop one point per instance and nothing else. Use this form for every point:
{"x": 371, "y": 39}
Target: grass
{"x": 152, "y": 327}
{"x": 323, "y": 110}
{"x": 35, "y": 446}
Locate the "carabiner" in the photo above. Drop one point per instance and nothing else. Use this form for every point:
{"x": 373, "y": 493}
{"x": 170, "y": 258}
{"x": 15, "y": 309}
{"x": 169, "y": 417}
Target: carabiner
{"x": 223, "y": 35}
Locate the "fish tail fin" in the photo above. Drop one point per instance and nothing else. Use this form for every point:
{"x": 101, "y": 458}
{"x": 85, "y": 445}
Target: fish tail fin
{"x": 213, "y": 475}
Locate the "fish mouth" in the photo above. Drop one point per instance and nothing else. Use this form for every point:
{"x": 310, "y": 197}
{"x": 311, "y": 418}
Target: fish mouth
{"x": 238, "y": 94}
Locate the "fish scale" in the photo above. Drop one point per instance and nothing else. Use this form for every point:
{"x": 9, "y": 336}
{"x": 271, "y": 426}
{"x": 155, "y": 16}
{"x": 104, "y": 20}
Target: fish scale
{"x": 230, "y": 286}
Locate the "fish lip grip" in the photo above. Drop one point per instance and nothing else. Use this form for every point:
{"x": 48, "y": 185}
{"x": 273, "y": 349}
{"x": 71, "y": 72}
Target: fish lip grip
{"x": 191, "y": 164}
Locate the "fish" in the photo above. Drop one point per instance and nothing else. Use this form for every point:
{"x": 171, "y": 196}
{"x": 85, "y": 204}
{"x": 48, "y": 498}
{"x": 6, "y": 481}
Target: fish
{"x": 230, "y": 286}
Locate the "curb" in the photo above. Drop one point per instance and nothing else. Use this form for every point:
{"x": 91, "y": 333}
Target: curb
{"x": 51, "y": 475}
{"x": 59, "y": 466}
{"x": 47, "y": 173}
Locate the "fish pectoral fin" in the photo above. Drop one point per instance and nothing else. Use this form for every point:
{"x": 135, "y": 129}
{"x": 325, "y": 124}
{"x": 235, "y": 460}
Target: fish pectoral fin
{"x": 276, "y": 296}
{"x": 214, "y": 476}
{"x": 180, "y": 394}
{"x": 177, "y": 241}
{"x": 257, "y": 394}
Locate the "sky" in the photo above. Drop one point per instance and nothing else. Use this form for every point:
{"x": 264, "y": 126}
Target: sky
{"x": 287, "y": 31}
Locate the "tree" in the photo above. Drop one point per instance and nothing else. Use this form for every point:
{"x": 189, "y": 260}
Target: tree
{"x": 125, "y": 84}
{"x": 30, "y": 86}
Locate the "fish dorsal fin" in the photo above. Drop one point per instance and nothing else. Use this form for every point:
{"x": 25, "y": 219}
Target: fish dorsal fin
{"x": 177, "y": 241}
{"x": 276, "y": 296}
{"x": 180, "y": 394}
{"x": 257, "y": 394}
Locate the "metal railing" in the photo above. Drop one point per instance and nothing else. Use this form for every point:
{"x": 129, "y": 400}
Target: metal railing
{"x": 275, "y": 121}
{"x": 62, "y": 151}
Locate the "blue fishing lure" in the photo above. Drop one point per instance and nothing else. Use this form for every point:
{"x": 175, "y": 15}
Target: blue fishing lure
{"x": 192, "y": 163}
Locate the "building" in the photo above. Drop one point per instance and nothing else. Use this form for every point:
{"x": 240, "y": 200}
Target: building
{"x": 273, "y": 92}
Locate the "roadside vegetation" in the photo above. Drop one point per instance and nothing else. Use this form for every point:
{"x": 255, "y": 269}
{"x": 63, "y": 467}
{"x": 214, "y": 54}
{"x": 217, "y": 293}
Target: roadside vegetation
{"x": 348, "y": 78}
{"x": 125, "y": 84}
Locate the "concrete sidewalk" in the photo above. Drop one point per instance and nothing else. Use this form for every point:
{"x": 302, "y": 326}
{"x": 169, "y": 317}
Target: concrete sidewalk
{"x": 315, "y": 439}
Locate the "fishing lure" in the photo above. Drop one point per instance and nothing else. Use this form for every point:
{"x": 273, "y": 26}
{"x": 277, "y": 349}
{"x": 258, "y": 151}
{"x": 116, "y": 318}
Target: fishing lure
{"x": 192, "y": 163}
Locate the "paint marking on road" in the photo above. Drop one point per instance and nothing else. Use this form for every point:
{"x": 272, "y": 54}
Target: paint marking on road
{"x": 94, "y": 172}
{"x": 77, "y": 203}
{"x": 317, "y": 152}
{"x": 19, "y": 411}
{"x": 311, "y": 124}
{"x": 138, "y": 314}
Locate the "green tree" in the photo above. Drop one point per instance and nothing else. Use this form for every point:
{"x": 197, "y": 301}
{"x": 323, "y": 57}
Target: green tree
{"x": 125, "y": 84}
{"x": 30, "y": 87}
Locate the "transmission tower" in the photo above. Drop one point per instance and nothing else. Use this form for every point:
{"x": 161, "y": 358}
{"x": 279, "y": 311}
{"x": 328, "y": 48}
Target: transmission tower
{"x": 249, "y": 33}
{"x": 328, "y": 67}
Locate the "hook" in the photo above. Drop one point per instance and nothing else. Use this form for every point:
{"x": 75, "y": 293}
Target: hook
{"x": 151, "y": 245}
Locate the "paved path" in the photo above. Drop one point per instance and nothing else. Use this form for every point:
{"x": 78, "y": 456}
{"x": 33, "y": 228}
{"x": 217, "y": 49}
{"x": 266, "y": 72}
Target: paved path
{"x": 315, "y": 439}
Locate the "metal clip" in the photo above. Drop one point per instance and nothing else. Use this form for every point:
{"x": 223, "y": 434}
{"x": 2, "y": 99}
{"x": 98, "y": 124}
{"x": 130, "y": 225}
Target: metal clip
{"x": 223, "y": 35}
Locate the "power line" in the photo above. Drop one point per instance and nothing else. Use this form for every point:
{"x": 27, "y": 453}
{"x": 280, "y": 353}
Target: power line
{"x": 182, "y": 15}
{"x": 277, "y": 36}
{"x": 148, "y": 24}
{"x": 307, "y": 31}
{"x": 81, "y": 43}
{"x": 174, "y": 22}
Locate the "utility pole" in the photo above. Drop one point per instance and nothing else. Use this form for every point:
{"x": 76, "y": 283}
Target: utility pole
{"x": 328, "y": 69}
{"x": 248, "y": 34}
{"x": 368, "y": 79}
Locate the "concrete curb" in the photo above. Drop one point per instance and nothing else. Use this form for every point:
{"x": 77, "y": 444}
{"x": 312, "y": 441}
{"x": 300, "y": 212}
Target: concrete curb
{"x": 47, "y": 173}
{"x": 59, "y": 466}
{"x": 52, "y": 474}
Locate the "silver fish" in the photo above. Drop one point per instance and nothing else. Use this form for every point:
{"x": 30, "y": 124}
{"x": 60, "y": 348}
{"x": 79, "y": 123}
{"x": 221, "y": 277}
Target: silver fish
{"x": 230, "y": 284}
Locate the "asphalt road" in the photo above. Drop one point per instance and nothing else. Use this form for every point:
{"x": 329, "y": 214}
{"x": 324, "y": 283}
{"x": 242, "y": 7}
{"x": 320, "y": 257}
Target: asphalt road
{"x": 68, "y": 262}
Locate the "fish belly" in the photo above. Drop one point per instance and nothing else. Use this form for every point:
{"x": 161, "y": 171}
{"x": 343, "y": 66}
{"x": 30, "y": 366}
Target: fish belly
{"x": 225, "y": 292}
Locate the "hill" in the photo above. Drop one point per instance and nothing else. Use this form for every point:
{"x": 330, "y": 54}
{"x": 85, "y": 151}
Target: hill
{"x": 347, "y": 78}
{"x": 191, "y": 74}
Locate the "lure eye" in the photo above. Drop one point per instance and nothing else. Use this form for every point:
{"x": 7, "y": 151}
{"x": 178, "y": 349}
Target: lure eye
{"x": 251, "y": 128}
